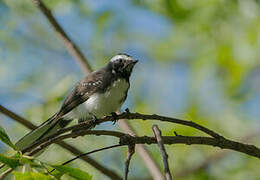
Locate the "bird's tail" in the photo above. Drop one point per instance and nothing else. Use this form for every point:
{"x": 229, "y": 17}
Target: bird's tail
{"x": 40, "y": 132}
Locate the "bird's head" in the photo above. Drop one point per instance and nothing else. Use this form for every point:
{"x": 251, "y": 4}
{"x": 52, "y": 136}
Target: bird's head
{"x": 122, "y": 64}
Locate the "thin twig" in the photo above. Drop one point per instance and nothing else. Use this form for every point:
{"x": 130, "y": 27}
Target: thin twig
{"x": 5, "y": 173}
{"x": 131, "y": 151}
{"x": 88, "y": 153}
{"x": 68, "y": 147}
{"x": 2, "y": 165}
{"x": 17, "y": 118}
{"x": 142, "y": 151}
{"x": 70, "y": 45}
{"x": 102, "y": 169}
{"x": 158, "y": 136}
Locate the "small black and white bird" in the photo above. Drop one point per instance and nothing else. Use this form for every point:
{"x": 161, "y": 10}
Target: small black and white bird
{"x": 99, "y": 94}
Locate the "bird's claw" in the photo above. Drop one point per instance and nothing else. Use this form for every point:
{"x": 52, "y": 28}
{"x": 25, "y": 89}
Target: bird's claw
{"x": 127, "y": 110}
{"x": 114, "y": 115}
{"x": 94, "y": 119}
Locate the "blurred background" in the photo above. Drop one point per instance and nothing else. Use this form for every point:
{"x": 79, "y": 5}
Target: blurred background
{"x": 199, "y": 60}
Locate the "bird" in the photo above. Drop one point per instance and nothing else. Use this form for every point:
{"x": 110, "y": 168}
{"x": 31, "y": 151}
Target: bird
{"x": 99, "y": 94}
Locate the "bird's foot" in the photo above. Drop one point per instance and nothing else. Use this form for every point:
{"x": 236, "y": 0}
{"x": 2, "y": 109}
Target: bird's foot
{"x": 127, "y": 110}
{"x": 114, "y": 115}
{"x": 94, "y": 119}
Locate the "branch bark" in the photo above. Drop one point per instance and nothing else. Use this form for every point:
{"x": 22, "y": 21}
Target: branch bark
{"x": 71, "y": 47}
{"x": 63, "y": 144}
{"x": 142, "y": 151}
{"x": 129, "y": 116}
{"x": 126, "y": 139}
{"x": 130, "y": 153}
{"x": 5, "y": 173}
{"x": 214, "y": 158}
{"x": 158, "y": 136}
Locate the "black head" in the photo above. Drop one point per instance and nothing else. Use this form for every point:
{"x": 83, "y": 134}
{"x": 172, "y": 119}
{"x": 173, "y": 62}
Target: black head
{"x": 122, "y": 65}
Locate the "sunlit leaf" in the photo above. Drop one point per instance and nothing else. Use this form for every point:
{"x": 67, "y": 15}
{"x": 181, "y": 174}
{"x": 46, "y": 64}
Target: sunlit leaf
{"x": 73, "y": 172}
{"x": 5, "y": 138}
{"x": 31, "y": 176}
{"x": 12, "y": 162}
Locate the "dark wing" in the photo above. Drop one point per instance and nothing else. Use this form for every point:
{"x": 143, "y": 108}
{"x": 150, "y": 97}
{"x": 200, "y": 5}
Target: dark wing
{"x": 83, "y": 90}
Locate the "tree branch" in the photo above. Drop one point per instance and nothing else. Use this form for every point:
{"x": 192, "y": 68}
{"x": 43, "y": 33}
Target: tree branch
{"x": 69, "y": 44}
{"x": 126, "y": 139}
{"x": 142, "y": 151}
{"x": 158, "y": 136}
{"x": 126, "y": 115}
{"x": 131, "y": 151}
{"x": 5, "y": 173}
{"x": 63, "y": 144}
{"x": 43, "y": 143}
{"x": 16, "y": 117}
{"x": 212, "y": 158}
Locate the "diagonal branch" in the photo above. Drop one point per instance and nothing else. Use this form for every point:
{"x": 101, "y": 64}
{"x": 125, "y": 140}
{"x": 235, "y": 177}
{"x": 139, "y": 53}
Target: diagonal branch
{"x": 129, "y": 116}
{"x": 158, "y": 136}
{"x": 126, "y": 139}
{"x": 17, "y": 118}
{"x": 214, "y": 158}
{"x": 88, "y": 153}
{"x": 63, "y": 144}
{"x": 130, "y": 153}
{"x": 5, "y": 173}
{"x": 70, "y": 45}
{"x": 106, "y": 171}
{"x": 43, "y": 143}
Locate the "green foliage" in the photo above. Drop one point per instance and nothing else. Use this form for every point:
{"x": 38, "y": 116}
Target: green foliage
{"x": 12, "y": 162}
{"x": 18, "y": 160}
{"x": 5, "y": 138}
{"x": 73, "y": 172}
{"x": 31, "y": 176}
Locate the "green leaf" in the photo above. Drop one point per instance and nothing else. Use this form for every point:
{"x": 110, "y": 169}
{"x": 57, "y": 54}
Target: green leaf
{"x": 57, "y": 174}
{"x": 26, "y": 160}
{"x": 10, "y": 161}
{"x": 4, "y": 137}
{"x": 31, "y": 176}
{"x": 73, "y": 172}
{"x": 17, "y": 160}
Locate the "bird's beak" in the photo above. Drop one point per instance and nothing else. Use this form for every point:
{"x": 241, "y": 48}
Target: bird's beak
{"x": 135, "y": 61}
{"x": 131, "y": 64}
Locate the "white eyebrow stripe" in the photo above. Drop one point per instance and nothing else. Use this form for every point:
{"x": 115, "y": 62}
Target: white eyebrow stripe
{"x": 120, "y": 56}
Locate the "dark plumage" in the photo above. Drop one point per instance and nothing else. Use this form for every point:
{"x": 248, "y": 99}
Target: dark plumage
{"x": 98, "y": 94}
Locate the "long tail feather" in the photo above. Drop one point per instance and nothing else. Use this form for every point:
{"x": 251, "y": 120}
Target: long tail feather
{"x": 44, "y": 130}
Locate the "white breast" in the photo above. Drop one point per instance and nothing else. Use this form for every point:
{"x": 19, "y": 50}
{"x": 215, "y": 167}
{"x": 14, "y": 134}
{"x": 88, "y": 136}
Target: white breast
{"x": 100, "y": 104}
